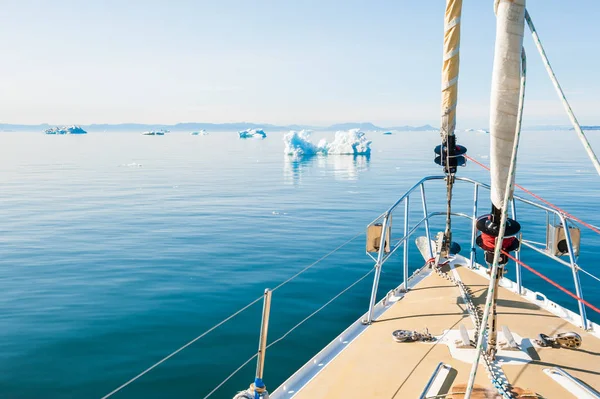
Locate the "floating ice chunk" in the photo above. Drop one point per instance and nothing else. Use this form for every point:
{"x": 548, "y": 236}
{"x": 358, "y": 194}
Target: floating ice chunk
{"x": 387, "y": 133}
{"x": 200, "y": 133}
{"x": 160, "y": 132}
{"x": 65, "y": 130}
{"x": 352, "y": 142}
{"x": 252, "y": 133}
{"x": 299, "y": 144}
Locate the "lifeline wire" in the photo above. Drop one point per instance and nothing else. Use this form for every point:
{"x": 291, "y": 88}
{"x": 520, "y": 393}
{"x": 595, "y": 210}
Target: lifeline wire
{"x": 235, "y": 314}
{"x": 290, "y": 331}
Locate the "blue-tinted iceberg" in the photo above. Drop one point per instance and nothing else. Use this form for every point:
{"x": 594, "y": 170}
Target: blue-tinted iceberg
{"x": 160, "y": 132}
{"x": 351, "y": 142}
{"x": 252, "y": 133}
{"x": 200, "y": 133}
{"x": 299, "y": 144}
{"x": 65, "y": 130}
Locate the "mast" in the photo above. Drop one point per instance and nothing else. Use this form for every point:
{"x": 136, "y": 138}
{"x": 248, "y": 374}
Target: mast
{"x": 449, "y": 155}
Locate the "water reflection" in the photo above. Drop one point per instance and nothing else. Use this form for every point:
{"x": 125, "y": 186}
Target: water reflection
{"x": 342, "y": 167}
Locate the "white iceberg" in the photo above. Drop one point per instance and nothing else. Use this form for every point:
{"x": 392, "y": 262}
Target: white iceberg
{"x": 65, "y": 130}
{"x": 200, "y": 133}
{"x": 299, "y": 144}
{"x": 252, "y": 133}
{"x": 160, "y": 132}
{"x": 351, "y": 142}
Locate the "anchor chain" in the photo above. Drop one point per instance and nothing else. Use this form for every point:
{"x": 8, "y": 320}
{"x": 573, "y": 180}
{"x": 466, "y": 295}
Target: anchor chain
{"x": 493, "y": 369}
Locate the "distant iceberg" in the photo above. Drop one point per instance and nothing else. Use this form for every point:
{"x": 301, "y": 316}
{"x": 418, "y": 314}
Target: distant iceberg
{"x": 65, "y": 130}
{"x": 387, "y": 133}
{"x": 200, "y": 133}
{"x": 160, "y": 132}
{"x": 476, "y": 130}
{"x": 252, "y": 133}
{"x": 352, "y": 142}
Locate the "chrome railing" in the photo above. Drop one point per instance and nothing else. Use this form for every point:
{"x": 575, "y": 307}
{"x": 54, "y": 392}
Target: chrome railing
{"x": 386, "y": 221}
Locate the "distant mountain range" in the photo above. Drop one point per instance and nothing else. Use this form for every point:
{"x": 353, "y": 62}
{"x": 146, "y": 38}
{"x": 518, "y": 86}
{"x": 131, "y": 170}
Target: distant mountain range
{"x": 215, "y": 127}
{"x": 222, "y": 127}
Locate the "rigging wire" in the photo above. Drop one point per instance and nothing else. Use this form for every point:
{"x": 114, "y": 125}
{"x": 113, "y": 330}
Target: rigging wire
{"x": 321, "y": 308}
{"x": 291, "y": 330}
{"x": 561, "y": 94}
{"x": 182, "y": 348}
{"x": 589, "y": 226}
{"x": 566, "y": 291}
{"x": 317, "y": 261}
{"x": 234, "y": 315}
{"x": 215, "y": 389}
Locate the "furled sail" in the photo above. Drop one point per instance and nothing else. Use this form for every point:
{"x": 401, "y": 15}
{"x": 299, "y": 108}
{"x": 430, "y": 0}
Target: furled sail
{"x": 506, "y": 79}
{"x": 450, "y": 66}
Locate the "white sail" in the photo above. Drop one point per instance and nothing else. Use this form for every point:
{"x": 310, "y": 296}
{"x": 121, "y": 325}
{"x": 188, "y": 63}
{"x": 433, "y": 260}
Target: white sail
{"x": 506, "y": 77}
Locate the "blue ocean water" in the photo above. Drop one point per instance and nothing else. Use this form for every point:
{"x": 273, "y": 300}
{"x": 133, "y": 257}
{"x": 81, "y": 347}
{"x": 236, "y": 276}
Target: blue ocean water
{"x": 117, "y": 249}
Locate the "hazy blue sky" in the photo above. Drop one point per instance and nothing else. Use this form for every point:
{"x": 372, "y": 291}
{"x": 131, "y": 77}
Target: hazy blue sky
{"x": 276, "y": 61}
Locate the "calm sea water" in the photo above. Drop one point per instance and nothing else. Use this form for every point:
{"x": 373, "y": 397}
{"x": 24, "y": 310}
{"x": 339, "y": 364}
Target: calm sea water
{"x": 117, "y": 248}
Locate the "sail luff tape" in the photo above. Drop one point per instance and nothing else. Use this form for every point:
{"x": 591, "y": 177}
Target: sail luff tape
{"x": 450, "y": 83}
{"x": 451, "y": 53}
{"x": 452, "y": 24}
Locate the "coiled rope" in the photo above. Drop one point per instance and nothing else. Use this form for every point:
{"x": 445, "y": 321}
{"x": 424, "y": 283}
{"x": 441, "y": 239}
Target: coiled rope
{"x": 231, "y": 317}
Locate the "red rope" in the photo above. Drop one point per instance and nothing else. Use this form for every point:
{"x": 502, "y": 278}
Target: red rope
{"x": 566, "y": 291}
{"x": 589, "y": 226}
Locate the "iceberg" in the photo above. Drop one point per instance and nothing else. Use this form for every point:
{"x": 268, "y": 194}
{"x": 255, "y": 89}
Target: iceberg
{"x": 351, "y": 142}
{"x": 160, "y": 132}
{"x": 299, "y": 144}
{"x": 65, "y": 130}
{"x": 200, "y": 133}
{"x": 387, "y": 133}
{"x": 252, "y": 133}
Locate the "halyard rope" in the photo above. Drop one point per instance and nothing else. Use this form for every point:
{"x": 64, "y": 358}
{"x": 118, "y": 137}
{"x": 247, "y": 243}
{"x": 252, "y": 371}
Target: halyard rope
{"x": 494, "y": 277}
{"x": 237, "y": 313}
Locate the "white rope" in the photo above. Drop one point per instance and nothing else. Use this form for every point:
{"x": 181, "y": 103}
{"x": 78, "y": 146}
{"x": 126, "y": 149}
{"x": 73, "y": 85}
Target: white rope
{"x": 561, "y": 94}
{"x": 507, "y": 195}
{"x": 229, "y": 318}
